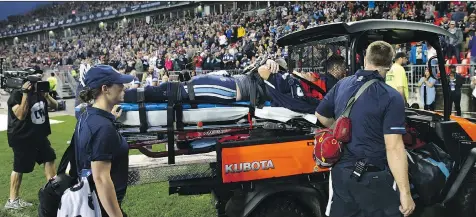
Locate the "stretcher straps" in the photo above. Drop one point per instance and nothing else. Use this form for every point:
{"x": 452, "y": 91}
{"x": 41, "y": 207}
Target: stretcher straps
{"x": 178, "y": 107}
{"x": 191, "y": 94}
{"x": 310, "y": 84}
{"x": 172, "y": 98}
{"x": 142, "y": 111}
{"x": 253, "y": 94}
{"x": 257, "y": 94}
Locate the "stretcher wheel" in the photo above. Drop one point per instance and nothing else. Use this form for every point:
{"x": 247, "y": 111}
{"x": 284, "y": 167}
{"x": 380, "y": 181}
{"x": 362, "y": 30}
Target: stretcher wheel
{"x": 279, "y": 206}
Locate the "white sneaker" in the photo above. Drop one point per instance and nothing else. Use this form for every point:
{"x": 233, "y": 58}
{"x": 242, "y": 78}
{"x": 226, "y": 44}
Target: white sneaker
{"x": 17, "y": 204}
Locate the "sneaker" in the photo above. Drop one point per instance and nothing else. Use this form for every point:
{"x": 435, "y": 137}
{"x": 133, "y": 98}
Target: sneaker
{"x": 17, "y": 204}
{"x": 24, "y": 203}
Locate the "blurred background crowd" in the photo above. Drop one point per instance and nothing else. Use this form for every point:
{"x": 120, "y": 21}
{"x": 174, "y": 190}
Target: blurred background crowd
{"x": 227, "y": 40}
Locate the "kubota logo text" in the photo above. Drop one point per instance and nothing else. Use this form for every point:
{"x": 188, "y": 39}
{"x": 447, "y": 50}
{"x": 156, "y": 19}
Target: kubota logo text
{"x": 247, "y": 166}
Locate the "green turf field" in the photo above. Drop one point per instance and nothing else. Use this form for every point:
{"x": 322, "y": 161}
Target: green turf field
{"x": 141, "y": 201}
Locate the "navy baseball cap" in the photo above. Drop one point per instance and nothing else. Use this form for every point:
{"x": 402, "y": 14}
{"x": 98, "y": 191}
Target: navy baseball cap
{"x": 99, "y": 75}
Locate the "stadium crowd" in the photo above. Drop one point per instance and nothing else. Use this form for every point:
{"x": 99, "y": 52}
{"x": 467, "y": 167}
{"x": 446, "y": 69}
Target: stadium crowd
{"x": 49, "y": 12}
{"x": 230, "y": 40}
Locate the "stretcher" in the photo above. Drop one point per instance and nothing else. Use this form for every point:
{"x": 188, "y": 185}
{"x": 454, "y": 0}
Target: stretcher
{"x": 207, "y": 113}
{"x": 203, "y": 125}
{"x": 189, "y": 126}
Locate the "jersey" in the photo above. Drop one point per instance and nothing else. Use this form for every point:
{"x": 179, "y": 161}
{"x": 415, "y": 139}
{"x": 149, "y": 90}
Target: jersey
{"x": 286, "y": 91}
{"x": 36, "y": 123}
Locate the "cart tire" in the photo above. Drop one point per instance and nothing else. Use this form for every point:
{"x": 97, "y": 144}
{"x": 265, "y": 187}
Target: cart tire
{"x": 465, "y": 199}
{"x": 281, "y": 206}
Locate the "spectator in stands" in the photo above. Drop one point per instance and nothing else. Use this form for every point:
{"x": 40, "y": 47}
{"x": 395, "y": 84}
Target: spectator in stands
{"x": 455, "y": 83}
{"x": 165, "y": 78}
{"x": 136, "y": 84}
{"x": 396, "y": 77}
{"x": 155, "y": 81}
{"x": 454, "y": 43}
{"x": 427, "y": 90}
{"x": 472, "y": 50}
{"x": 147, "y": 78}
{"x": 470, "y": 27}
{"x": 458, "y": 15}
{"x": 445, "y": 23}
{"x": 418, "y": 54}
{"x": 250, "y": 33}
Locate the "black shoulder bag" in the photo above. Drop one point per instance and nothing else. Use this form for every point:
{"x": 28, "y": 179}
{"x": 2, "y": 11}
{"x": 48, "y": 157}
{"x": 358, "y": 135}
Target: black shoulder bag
{"x": 50, "y": 194}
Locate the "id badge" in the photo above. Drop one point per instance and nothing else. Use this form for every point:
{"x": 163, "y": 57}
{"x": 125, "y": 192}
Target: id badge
{"x": 453, "y": 88}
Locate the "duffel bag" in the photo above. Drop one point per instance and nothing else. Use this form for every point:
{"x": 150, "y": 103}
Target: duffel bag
{"x": 50, "y": 194}
{"x": 429, "y": 168}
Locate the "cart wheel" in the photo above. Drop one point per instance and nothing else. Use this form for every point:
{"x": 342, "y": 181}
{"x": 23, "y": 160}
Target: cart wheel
{"x": 465, "y": 200}
{"x": 281, "y": 206}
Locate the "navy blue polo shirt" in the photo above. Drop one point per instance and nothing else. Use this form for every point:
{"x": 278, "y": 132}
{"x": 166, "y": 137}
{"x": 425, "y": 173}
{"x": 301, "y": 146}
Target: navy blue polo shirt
{"x": 98, "y": 140}
{"x": 378, "y": 111}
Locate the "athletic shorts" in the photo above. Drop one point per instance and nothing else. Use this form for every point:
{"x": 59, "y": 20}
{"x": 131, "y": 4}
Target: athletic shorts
{"x": 25, "y": 154}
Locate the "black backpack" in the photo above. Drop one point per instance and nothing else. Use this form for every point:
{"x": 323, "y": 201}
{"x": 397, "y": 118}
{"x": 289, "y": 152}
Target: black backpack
{"x": 50, "y": 194}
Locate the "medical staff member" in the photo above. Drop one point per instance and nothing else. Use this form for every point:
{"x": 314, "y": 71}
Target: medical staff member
{"x": 378, "y": 122}
{"x": 101, "y": 151}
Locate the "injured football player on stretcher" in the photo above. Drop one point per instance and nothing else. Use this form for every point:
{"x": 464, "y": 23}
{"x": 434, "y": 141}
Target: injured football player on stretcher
{"x": 270, "y": 83}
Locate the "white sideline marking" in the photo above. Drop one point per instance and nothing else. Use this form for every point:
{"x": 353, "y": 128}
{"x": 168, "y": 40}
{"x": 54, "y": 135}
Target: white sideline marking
{"x": 4, "y": 122}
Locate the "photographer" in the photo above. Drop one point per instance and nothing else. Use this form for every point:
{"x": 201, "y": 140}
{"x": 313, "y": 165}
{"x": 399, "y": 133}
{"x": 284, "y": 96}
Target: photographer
{"x": 28, "y": 130}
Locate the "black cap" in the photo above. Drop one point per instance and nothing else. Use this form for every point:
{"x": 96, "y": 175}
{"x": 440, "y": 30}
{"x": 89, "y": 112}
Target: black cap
{"x": 400, "y": 55}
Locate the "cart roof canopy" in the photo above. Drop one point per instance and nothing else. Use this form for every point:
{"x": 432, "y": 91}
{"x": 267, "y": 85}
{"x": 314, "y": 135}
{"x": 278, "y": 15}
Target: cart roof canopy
{"x": 391, "y": 31}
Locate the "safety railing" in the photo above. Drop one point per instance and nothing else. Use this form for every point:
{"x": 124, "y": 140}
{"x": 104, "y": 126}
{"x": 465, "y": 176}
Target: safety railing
{"x": 465, "y": 70}
{"x": 64, "y": 80}
{"x": 414, "y": 74}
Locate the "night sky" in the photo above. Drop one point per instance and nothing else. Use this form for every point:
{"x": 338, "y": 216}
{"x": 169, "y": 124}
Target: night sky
{"x": 14, "y": 8}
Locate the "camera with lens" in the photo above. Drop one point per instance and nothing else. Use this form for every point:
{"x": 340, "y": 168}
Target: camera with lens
{"x": 14, "y": 80}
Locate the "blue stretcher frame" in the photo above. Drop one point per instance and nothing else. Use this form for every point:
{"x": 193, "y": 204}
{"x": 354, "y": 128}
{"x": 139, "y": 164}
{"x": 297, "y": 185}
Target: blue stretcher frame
{"x": 163, "y": 106}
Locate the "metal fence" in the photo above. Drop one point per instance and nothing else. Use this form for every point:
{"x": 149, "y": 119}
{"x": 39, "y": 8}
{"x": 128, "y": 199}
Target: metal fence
{"x": 414, "y": 73}
{"x": 66, "y": 85}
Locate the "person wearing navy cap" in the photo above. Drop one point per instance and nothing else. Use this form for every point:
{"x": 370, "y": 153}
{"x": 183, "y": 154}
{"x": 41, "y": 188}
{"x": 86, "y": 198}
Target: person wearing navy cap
{"x": 376, "y": 145}
{"x": 100, "y": 150}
